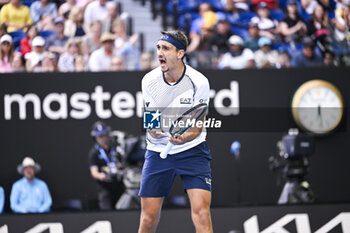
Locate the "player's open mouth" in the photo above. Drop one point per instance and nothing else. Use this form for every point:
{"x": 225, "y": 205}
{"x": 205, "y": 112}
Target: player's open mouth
{"x": 162, "y": 61}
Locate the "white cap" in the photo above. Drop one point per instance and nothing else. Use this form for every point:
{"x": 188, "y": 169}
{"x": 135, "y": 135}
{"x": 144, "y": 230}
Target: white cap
{"x": 236, "y": 40}
{"x": 7, "y": 38}
{"x": 38, "y": 41}
{"x": 28, "y": 162}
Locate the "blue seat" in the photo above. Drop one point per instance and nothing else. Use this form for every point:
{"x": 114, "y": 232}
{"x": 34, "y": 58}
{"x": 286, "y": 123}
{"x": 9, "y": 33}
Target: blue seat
{"x": 28, "y": 2}
{"x": 245, "y": 17}
{"x": 281, "y": 47}
{"x": 17, "y": 36}
{"x": 46, "y": 34}
{"x": 184, "y": 6}
{"x": 277, "y": 15}
{"x": 240, "y": 31}
{"x": 187, "y": 17}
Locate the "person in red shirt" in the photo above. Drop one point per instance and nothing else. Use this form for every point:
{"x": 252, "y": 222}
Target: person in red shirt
{"x": 26, "y": 42}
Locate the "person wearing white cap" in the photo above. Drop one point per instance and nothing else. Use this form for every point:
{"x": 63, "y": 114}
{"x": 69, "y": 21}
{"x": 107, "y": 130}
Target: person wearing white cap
{"x": 30, "y": 194}
{"x": 7, "y": 54}
{"x": 35, "y": 57}
{"x": 238, "y": 57}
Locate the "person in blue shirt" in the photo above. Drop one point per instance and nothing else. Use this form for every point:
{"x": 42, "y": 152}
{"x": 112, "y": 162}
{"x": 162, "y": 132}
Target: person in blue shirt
{"x": 307, "y": 57}
{"x": 30, "y": 194}
{"x": 2, "y": 199}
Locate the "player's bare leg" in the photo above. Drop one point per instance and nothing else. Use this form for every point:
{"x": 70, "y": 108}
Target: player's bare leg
{"x": 200, "y": 210}
{"x": 150, "y": 214}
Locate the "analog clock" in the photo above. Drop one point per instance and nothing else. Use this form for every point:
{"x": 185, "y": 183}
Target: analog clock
{"x": 317, "y": 107}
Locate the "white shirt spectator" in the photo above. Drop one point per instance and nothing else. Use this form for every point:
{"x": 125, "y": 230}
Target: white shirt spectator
{"x": 236, "y": 62}
{"x": 262, "y": 58}
{"x": 100, "y": 61}
{"x": 264, "y": 23}
{"x": 36, "y": 58}
{"x": 94, "y": 11}
{"x": 66, "y": 63}
{"x": 339, "y": 35}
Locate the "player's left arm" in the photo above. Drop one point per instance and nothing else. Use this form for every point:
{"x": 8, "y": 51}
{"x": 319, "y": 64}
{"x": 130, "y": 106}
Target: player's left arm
{"x": 201, "y": 96}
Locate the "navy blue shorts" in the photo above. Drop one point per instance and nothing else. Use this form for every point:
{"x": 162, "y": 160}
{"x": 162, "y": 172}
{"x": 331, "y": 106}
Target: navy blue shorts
{"x": 192, "y": 165}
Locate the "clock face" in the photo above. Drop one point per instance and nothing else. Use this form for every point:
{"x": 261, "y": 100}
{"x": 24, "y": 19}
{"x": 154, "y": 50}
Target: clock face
{"x": 317, "y": 107}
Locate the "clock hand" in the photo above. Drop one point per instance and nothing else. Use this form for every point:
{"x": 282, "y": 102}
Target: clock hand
{"x": 319, "y": 115}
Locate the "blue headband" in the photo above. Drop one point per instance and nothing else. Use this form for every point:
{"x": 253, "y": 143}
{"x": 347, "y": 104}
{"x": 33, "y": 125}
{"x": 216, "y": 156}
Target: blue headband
{"x": 173, "y": 41}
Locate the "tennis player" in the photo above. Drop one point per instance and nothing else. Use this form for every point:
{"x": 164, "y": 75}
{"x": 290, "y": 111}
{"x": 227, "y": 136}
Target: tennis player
{"x": 178, "y": 86}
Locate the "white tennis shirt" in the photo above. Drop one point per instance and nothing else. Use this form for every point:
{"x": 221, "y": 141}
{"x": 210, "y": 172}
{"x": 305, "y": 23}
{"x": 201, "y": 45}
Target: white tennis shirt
{"x": 174, "y": 98}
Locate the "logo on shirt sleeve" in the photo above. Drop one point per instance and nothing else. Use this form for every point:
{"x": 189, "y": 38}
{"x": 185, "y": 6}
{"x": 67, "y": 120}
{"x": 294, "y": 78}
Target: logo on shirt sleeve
{"x": 151, "y": 119}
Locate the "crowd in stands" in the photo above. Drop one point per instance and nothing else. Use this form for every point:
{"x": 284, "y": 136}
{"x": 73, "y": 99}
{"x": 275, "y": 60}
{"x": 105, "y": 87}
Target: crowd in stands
{"x": 91, "y": 35}
{"x": 238, "y": 34}
{"x": 73, "y": 36}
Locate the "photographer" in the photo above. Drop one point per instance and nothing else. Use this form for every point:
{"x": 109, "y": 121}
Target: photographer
{"x": 105, "y": 166}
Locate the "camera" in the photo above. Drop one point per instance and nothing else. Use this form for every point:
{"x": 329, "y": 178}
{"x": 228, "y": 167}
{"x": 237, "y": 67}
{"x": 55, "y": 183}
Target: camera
{"x": 292, "y": 165}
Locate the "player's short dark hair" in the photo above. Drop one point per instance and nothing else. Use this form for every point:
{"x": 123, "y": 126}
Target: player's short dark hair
{"x": 178, "y": 35}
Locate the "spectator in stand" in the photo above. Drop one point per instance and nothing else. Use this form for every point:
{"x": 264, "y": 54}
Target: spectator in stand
{"x": 55, "y": 43}
{"x": 96, "y": 10}
{"x": 47, "y": 23}
{"x": 195, "y": 30}
{"x": 15, "y": 16}
{"x": 329, "y": 59}
{"x": 66, "y": 60}
{"x": 113, "y": 14}
{"x": 307, "y": 57}
{"x": 310, "y": 5}
{"x": 283, "y": 60}
{"x": 100, "y": 60}
{"x": 17, "y": 64}
{"x": 146, "y": 61}
{"x": 74, "y": 25}
{"x": 267, "y": 25}
{"x": 117, "y": 64}
{"x": 64, "y": 9}
{"x": 238, "y": 57}
{"x": 30, "y": 194}
{"x": 2, "y": 30}
{"x": 34, "y": 58}
{"x": 49, "y": 63}
{"x": 218, "y": 40}
{"x": 91, "y": 41}
{"x": 251, "y": 42}
{"x": 7, "y": 54}
{"x": 26, "y": 42}
{"x": 236, "y": 6}
{"x": 265, "y": 57}
{"x": 2, "y": 199}
{"x": 292, "y": 27}
{"x": 342, "y": 26}
{"x": 41, "y": 8}
{"x": 124, "y": 45}
{"x": 319, "y": 28}
{"x": 80, "y": 64}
